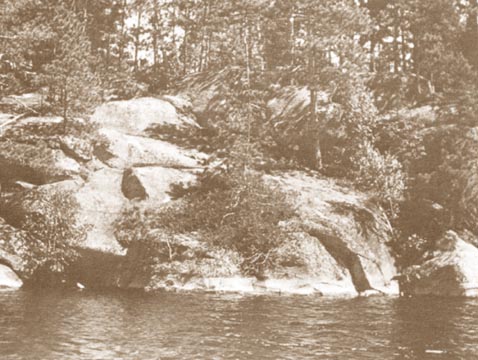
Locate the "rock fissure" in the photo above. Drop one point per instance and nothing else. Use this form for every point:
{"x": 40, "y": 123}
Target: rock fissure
{"x": 344, "y": 256}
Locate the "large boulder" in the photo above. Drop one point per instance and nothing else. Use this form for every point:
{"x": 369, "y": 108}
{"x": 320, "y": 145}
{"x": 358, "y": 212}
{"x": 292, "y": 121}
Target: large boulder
{"x": 101, "y": 201}
{"x": 27, "y": 129}
{"x": 24, "y": 102}
{"x": 338, "y": 247}
{"x": 8, "y": 278}
{"x": 35, "y": 150}
{"x": 36, "y": 164}
{"x": 123, "y": 150}
{"x": 153, "y": 183}
{"x": 135, "y": 116}
{"x": 349, "y": 226}
{"x": 452, "y": 271}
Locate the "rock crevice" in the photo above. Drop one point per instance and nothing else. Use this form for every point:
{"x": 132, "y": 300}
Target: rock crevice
{"x": 344, "y": 256}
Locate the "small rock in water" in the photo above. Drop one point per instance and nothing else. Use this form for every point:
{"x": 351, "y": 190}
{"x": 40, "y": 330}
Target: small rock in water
{"x": 437, "y": 352}
{"x": 80, "y": 286}
{"x": 371, "y": 292}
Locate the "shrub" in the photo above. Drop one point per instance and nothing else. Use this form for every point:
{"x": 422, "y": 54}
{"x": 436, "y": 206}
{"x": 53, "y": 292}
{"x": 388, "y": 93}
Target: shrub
{"x": 381, "y": 174}
{"x": 52, "y": 220}
{"x": 235, "y": 212}
{"x": 410, "y": 250}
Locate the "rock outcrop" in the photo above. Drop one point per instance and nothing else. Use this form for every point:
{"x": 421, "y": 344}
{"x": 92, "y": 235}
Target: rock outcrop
{"x": 340, "y": 236}
{"x": 127, "y": 165}
{"x": 8, "y": 278}
{"x": 349, "y": 226}
{"x": 338, "y": 249}
{"x": 145, "y": 113}
{"x": 452, "y": 271}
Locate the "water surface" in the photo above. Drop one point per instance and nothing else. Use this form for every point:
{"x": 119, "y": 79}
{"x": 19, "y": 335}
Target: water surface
{"x": 84, "y": 325}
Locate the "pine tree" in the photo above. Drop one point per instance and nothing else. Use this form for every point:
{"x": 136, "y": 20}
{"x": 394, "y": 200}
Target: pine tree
{"x": 51, "y": 39}
{"x": 72, "y": 86}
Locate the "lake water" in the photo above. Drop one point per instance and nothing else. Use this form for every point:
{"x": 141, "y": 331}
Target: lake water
{"x": 85, "y": 325}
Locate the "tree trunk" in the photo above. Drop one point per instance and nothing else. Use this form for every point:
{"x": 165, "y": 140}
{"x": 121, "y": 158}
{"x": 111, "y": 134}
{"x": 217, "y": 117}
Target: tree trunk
{"x": 312, "y": 123}
{"x": 64, "y": 95}
{"x": 403, "y": 42}
{"x": 173, "y": 37}
{"x": 137, "y": 42}
{"x": 247, "y": 49}
{"x": 373, "y": 44}
{"x": 396, "y": 50}
{"x": 122, "y": 44}
{"x": 155, "y": 34}
{"x": 204, "y": 36}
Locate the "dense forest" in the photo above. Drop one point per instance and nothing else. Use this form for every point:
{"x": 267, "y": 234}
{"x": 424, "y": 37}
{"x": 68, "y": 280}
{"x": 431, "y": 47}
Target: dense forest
{"x": 363, "y": 65}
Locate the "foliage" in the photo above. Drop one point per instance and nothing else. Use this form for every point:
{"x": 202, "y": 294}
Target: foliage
{"x": 72, "y": 86}
{"x": 382, "y": 174}
{"x": 410, "y": 250}
{"x": 421, "y": 54}
{"x": 370, "y": 57}
{"x": 439, "y": 157}
{"x": 232, "y": 211}
{"x": 52, "y": 220}
{"x": 48, "y": 41}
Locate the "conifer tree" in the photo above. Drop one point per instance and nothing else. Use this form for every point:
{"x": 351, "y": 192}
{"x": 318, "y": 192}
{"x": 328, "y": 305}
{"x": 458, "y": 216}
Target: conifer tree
{"x": 72, "y": 86}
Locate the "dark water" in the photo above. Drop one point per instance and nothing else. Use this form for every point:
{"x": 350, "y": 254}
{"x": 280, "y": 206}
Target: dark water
{"x": 83, "y": 325}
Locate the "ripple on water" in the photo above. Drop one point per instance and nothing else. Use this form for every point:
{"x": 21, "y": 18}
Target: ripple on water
{"x": 83, "y": 325}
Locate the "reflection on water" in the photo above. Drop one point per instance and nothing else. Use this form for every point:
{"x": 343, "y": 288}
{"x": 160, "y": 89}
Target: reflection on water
{"x": 84, "y": 325}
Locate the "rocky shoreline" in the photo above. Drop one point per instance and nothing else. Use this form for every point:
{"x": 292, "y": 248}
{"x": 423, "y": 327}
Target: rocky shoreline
{"x": 340, "y": 247}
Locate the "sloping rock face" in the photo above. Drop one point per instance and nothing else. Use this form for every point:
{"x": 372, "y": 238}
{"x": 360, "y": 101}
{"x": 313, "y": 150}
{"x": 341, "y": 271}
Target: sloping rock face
{"x": 186, "y": 263}
{"x": 338, "y": 249}
{"x": 104, "y": 180}
{"x": 8, "y": 278}
{"x": 452, "y": 271}
{"x": 135, "y": 166}
{"x": 340, "y": 237}
{"x": 31, "y": 151}
{"x": 350, "y": 233}
{"x": 145, "y": 113}
{"x": 138, "y": 151}
{"x": 101, "y": 201}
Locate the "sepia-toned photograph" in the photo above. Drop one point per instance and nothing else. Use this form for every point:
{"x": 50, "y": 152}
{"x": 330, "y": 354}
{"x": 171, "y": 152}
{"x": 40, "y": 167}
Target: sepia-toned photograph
{"x": 238, "y": 179}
